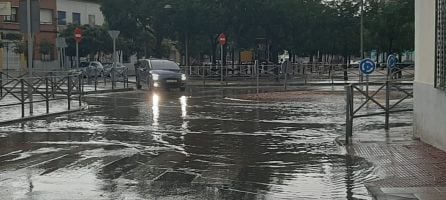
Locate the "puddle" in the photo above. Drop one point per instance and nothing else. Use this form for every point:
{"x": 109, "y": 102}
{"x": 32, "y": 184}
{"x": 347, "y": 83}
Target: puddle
{"x": 219, "y": 148}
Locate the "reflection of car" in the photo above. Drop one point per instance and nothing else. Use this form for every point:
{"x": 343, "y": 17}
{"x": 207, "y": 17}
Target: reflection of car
{"x": 91, "y": 68}
{"x": 109, "y": 66}
{"x": 162, "y": 74}
{"x": 355, "y": 64}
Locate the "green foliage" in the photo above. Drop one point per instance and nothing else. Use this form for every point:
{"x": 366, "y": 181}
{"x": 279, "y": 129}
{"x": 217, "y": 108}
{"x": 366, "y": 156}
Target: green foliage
{"x": 46, "y": 47}
{"x": 303, "y": 27}
{"x": 95, "y": 40}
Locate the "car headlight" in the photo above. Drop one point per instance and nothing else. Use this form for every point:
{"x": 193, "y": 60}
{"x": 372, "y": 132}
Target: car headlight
{"x": 183, "y": 77}
{"x": 155, "y": 77}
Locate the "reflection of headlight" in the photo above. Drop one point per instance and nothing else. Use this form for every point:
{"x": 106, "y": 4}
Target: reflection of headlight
{"x": 183, "y": 77}
{"x": 155, "y": 77}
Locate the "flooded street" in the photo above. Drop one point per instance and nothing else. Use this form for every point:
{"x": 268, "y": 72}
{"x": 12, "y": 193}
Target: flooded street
{"x": 197, "y": 145}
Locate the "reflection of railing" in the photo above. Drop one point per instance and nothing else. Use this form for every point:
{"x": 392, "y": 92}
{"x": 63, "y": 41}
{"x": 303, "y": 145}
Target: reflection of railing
{"x": 25, "y": 90}
{"x": 303, "y": 72}
{"x": 96, "y": 77}
{"x": 391, "y": 89}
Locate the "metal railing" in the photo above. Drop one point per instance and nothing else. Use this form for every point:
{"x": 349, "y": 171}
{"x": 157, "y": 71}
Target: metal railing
{"x": 389, "y": 106}
{"x": 302, "y": 72}
{"x": 25, "y": 90}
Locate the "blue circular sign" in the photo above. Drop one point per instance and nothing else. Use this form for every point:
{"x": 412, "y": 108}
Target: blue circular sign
{"x": 367, "y": 66}
{"x": 392, "y": 61}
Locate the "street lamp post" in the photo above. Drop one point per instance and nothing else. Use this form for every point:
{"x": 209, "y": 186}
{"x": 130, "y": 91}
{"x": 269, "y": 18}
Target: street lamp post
{"x": 362, "y": 37}
{"x": 30, "y": 56}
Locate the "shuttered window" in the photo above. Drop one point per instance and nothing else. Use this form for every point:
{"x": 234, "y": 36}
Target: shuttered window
{"x": 46, "y": 16}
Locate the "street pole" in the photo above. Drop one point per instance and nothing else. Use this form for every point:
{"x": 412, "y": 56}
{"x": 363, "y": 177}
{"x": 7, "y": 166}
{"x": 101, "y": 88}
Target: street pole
{"x": 114, "y": 64}
{"x": 221, "y": 71}
{"x": 114, "y": 35}
{"x": 77, "y": 55}
{"x": 7, "y": 61}
{"x": 362, "y": 36}
{"x": 30, "y": 56}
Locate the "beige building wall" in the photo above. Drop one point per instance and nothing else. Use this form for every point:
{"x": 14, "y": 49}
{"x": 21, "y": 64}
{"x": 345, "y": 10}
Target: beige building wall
{"x": 429, "y": 102}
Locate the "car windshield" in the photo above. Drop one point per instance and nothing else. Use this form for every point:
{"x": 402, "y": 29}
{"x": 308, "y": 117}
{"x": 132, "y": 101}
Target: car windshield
{"x": 83, "y": 64}
{"x": 164, "y": 65}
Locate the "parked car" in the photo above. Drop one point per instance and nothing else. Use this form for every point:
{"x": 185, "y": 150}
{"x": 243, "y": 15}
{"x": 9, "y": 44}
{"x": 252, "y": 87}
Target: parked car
{"x": 162, "y": 74}
{"x": 109, "y": 66}
{"x": 91, "y": 69}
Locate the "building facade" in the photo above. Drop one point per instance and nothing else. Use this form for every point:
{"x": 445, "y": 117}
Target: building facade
{"x": 12, "y": 36}
{"x": 430, "y": 72}
{"x": 55, "y": 15}
{"x": 79, "y": 12}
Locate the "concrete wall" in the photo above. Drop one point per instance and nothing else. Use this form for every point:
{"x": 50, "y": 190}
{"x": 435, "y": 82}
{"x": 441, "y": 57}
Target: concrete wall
{"x": 82, "y": 7}
{"x": 430, "y": 103}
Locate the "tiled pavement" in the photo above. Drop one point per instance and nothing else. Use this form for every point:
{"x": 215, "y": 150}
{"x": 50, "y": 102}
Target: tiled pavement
{"x": 408, "y": 169}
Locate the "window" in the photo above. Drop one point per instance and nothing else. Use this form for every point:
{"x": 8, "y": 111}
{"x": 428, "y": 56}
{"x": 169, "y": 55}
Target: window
{"x": 76, "y": 18}
{"x": 61, "y": 18}
{"x": 46, "y": 16}
{"x": 13, "y": 17}
{"x": 92, "y": 20}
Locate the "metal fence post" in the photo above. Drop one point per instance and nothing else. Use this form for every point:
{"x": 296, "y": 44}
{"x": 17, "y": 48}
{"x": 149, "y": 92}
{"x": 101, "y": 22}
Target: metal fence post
{"x": 349, "y": 114}
{"x": 79, "y": 89}
{"x": 22, "y": 91}
{"x": 69, "y": 92}
{"x": 1, "y": 84}
{"x": 47, "y": 96}
{"x": 256, "y": 66}
{"x": 386, "y": 126}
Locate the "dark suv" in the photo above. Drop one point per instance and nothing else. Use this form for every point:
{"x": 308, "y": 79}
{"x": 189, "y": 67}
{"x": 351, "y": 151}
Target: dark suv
{"x": 159, "y": 73}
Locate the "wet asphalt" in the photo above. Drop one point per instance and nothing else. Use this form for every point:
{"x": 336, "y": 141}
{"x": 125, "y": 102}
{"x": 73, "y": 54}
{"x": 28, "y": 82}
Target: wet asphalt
{"x": 203, "y": 144}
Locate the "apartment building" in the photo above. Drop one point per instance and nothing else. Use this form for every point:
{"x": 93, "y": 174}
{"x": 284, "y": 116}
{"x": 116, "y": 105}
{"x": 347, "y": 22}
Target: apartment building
{"x": 78, "y": 12}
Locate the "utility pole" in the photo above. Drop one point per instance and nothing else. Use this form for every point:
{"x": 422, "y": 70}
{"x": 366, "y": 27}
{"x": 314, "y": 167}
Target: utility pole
{"x": 30, "y": 56}
{"x": 362, "y": 37}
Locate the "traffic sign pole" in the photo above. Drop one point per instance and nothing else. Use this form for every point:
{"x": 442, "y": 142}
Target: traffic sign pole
{"x": 78, "y": 38}
{"x": 222, "y": 39}
{"x": 77, "y": 55}
{"x": 30, "y": 56}
{"x": 367, "y": 67}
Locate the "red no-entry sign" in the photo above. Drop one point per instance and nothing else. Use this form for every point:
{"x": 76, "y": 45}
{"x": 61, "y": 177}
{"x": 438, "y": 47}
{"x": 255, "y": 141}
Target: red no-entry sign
{"x": 78, "y": 35}
{"x": 222, "y": 39}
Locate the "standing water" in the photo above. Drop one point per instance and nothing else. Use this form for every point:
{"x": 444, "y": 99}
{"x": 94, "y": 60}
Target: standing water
{"x": 184, "y": 146}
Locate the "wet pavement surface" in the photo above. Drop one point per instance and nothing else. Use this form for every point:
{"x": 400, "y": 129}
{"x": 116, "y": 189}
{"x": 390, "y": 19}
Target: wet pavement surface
{"x": 205, "y": 144}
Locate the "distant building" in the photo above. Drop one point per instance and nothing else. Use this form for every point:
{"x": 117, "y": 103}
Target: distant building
{"x": 430, "y": 72}
{"x": 45, "y": 40}
{"x": 79, "y": 12}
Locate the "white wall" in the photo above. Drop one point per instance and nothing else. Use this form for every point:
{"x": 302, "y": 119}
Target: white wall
{"x": 430, "y": 102}
{"x": 78, "y": 6}
{"x": 425, "y": 41}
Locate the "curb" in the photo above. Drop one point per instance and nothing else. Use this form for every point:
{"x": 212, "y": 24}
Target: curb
{"x": 42, "y": 116}
{"x": 109, "y": 91}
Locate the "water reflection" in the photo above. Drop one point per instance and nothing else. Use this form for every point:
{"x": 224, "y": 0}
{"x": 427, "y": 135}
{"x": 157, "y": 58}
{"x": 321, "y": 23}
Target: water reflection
{"x": 155, "y": 110}
{"x": 183, "y": 101}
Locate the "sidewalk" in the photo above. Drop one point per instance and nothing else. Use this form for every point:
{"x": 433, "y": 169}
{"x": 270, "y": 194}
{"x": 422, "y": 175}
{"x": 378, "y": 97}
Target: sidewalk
{"x": 408, "y": 169}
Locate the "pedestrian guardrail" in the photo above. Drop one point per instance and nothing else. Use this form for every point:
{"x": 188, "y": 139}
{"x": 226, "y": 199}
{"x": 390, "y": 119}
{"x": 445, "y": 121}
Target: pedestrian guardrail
{"x": 395, "y": 93}
{"x": 30, "y": 90}
{"x": 314, "y": 72}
